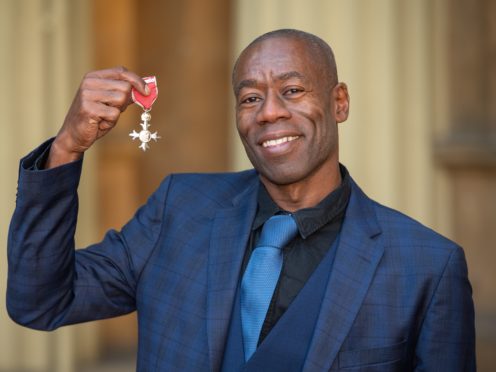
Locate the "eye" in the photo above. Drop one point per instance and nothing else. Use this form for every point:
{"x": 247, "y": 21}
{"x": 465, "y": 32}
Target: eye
{"x": 293, "y": 91}
{"x": 250, "y": 99}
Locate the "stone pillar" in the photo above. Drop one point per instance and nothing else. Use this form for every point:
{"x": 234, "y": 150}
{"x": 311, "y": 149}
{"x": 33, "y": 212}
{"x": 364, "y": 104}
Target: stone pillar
{"x": 43, "y": 51}
{"x": 466, "y": 151}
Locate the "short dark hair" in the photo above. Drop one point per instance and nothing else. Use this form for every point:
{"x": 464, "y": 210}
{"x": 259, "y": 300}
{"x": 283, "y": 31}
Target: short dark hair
{"x": 322, "y": 50}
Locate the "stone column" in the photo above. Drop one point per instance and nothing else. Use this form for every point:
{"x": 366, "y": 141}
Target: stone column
{"x": 43, "y": 51}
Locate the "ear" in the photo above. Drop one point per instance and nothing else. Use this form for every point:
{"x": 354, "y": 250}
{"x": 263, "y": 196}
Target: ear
{"x": 341, "y": 102}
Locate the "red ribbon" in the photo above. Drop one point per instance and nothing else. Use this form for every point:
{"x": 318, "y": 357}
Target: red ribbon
{"x": 146, "y": 102}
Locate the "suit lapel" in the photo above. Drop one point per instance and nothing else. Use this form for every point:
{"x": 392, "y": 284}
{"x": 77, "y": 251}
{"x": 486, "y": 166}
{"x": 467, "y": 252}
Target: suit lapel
{"x": 229, "y": 238}
{"x": 358, "y": 254}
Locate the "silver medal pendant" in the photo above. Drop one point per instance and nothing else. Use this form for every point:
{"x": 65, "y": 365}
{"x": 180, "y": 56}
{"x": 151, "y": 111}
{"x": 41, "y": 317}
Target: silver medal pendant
{"x": 145, "y": 102}
{"x": 145, "y": 135}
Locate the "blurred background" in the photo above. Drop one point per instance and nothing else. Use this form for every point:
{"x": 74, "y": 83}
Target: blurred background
{"x": 421, "y": 137}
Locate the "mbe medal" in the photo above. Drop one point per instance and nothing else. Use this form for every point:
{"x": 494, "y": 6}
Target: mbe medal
{"x": 146, "y": 103}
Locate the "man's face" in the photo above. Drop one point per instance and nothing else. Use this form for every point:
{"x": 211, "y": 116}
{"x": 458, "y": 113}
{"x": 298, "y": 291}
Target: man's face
{"x": 286, "y": 111}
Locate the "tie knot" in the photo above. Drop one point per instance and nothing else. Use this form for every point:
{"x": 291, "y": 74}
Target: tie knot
{"x": 278, "y": 231}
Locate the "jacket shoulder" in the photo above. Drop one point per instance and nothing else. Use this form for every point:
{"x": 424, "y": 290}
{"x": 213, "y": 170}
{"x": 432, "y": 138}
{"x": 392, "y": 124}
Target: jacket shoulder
{"x": 402, "y": 229}
{"x": 214, "y": 189}
{"x": 398, "y": 228}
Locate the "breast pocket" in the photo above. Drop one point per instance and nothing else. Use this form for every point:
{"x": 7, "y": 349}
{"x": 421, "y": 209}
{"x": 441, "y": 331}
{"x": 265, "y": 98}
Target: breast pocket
{"x": 387, "y": 358}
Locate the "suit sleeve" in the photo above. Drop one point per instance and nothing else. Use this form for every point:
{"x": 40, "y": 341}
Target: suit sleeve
{"x": 447, "y": 337}
{"x": 50, "y": 284}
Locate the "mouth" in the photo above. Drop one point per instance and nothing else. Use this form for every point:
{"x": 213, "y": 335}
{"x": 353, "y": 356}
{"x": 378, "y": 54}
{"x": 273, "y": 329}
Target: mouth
{"x": 278, "y": 141}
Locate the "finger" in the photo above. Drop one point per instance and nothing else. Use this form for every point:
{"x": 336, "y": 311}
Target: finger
{"x": 97, "y": 113}
{"x": 115, "y": 98}
{"x": 97, "y": 84}
{"x": 121, "y": 73}
{"x": 105, "y": 125}
{"x": 109, "y": 73}
{"x": 108, "y": 113}
{"x": 94, "y": 83}
{"x": 137, "y": 82}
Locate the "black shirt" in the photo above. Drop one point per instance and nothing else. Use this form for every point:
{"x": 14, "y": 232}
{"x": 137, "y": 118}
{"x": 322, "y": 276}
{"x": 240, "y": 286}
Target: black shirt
{"x": 318, "y": 227}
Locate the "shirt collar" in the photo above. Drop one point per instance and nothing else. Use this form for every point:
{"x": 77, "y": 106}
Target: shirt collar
{"x": 309, "y": 220}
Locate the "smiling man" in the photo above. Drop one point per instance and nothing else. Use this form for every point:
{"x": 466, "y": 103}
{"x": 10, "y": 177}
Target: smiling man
{"x": 287, "y": 267}
{"x": 288, "y": 104}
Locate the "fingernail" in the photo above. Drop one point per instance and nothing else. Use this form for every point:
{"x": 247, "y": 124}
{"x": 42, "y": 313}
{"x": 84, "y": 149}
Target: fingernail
{"x": 147, "y": 90}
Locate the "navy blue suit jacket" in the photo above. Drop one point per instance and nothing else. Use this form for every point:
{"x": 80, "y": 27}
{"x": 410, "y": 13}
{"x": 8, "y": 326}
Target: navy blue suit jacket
{"x": 397, "y": 299}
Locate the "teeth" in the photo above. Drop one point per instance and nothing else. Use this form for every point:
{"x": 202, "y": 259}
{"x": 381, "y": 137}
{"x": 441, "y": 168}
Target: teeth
{"x": 278, "y": 141}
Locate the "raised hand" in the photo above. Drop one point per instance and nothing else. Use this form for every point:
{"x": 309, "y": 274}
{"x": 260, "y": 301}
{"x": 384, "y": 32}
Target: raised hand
{"x": 102, "y": 96}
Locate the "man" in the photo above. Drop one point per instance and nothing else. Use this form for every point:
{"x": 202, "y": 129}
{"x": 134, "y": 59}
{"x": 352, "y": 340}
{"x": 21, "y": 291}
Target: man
{"x": 360, "y": 286}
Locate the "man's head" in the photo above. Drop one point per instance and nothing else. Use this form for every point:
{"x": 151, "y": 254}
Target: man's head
{"x": 288, "y": 104}
{"x": 321, "y": 51}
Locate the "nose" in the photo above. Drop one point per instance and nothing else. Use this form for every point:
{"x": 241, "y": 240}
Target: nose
{"x": 272, "y": 109}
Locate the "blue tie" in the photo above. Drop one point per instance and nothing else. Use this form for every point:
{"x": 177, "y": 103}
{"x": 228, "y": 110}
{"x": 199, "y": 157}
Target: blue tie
{"x": 261, "y": 275}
